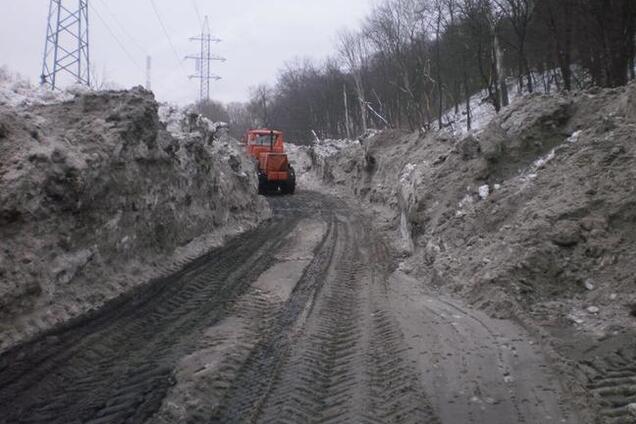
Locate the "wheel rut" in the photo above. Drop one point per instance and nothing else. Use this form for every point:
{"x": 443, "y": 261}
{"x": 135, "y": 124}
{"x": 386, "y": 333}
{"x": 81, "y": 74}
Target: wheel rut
{"x": 339, "y": 358}
{"x": 117, "y": 366}
{"x": 613, "y": 381}
{"x": 339, "y": 341}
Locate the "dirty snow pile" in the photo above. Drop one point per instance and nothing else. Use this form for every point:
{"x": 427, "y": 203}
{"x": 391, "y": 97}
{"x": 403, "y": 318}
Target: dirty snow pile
{"x": 184, "y": 123}
{"x": 533, "y": 215}
{"x": 16, "y": 91}
{"x": 96, "y": 197}
{"x": 304, "y": 159}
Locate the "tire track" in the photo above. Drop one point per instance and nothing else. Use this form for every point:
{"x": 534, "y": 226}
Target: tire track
{"x": 317, "y": 383}
{"x": 251, "y": 388}
{"x": 396, "y": 393}
{"x": 118, "y": 366}
{"x": 340, "y": 362}
{"x": 613, "y": 380}
{"x": 332, "y": 353}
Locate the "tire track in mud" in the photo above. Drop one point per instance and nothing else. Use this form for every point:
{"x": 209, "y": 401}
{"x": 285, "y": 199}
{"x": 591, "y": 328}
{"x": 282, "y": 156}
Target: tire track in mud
{"x": 613, "y": 380}
{"x": 251, "y": 387}
{"x": 117, "y": 366}
{"x": 321, "y": 365}
{"x": 397, "y": 393}
{"x": 332, "y": 353}
{"x": 337, "y": 360}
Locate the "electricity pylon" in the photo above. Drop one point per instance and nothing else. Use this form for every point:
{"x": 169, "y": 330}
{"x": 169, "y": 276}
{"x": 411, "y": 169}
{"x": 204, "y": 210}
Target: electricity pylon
{"x": 202, "y": 62}
{"x": 66, "y": 48}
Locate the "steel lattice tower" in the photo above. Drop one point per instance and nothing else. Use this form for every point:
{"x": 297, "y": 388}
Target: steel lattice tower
{"x": 203, "y": 67}
{"x": 66, "y": 48}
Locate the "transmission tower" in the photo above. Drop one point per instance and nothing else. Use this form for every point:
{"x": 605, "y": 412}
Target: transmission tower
{"x": 202, "y": 62}
{"x": 66, "y": 47}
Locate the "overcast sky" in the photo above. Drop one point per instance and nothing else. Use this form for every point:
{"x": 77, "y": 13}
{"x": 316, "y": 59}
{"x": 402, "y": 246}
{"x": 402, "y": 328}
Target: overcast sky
{"x": 258, "y": 37}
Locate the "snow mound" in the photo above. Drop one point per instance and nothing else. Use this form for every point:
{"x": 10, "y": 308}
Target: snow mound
{"x": 181, "y": 122}
{"x": 328, "y": 148}
{"x": 15, "y": 91}
{"x": 145, "y": 200}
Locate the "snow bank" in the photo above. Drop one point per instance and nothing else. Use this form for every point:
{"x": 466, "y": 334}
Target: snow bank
{"x": 327, "y": 148}
{"x": 146, "y": 200}
{"x": 15, "y": 91}
{"x": 525, "y": 207}
{"x": 182, "y": 122}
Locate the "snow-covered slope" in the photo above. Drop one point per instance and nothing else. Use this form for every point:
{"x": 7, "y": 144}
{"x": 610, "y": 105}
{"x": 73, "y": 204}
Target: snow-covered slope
{"x": 96, "y": 197}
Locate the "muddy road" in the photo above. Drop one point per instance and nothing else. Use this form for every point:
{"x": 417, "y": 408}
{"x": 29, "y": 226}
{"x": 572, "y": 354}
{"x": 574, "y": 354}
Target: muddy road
{"x": 302, "y": 320}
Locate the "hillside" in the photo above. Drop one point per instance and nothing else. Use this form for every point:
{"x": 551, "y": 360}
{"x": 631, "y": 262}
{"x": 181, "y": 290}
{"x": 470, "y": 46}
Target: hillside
{"x": 532, "y": 218}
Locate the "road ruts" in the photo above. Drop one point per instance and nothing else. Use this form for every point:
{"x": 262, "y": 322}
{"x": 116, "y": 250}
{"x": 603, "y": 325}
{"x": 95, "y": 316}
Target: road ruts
{"x": 116, "y": 366}
{"x": 613, "y": 380}
{"x": 331, "y": 353}
{"x": 340, "y": 360}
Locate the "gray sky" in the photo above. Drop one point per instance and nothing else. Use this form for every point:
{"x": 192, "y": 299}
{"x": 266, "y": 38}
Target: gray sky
{"x": 258, "y": 37}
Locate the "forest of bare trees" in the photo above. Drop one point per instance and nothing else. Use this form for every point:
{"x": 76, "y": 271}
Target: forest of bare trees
{"x": 411, "y": 60}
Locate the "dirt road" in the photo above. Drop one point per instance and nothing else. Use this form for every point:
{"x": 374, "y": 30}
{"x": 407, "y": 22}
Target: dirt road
{"x": 302, "y": 320}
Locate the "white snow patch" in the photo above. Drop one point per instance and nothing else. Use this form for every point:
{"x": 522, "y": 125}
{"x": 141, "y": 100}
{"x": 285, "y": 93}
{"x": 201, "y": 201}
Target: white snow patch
{"x": 407, "y": 172}
{"x": 484, "y": 192}
{"x": 526, "y": 177}
{"x": 15, "y": 91}
{"x": 542, "y": 161}
{"x": 327, "y": 148}
{"x": 482, "y": 111}
{"x": 465, "y": 203}
{"x": 574, "y": 137}
{"x": 181, "y": 122}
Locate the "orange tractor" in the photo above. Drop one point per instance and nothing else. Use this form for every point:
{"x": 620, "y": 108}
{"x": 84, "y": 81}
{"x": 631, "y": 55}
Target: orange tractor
{"x": 274, "y": 170}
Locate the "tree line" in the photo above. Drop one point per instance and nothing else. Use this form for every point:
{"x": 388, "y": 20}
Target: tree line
{"x": 412, "y": 60}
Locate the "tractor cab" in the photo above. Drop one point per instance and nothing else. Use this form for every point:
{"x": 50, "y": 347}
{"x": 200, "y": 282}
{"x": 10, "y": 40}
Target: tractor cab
{"x": 264, "y": 141}
{"x": 275, "y": 173}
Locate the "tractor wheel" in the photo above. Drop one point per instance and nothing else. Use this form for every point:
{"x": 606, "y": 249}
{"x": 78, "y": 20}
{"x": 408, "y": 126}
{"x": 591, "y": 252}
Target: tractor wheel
{"x": 290, "y": 184}
{"x": 262, "y": 184}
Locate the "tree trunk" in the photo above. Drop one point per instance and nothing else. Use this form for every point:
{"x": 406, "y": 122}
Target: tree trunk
{"x": 346, "y": 108}
{"x": 362, "y": 103}
{"x": 493, "y": 84}
{"x": 467, "y": 93}
{"x": 521, "y": 68}
{"x": 457, "y": 95}
{"x": 529, "y": 76}
{"x": 501, "y": 76}
{"x": 566, "y": 63}
{"x": 440, "y": 110}
{"x": 632, "y": 65}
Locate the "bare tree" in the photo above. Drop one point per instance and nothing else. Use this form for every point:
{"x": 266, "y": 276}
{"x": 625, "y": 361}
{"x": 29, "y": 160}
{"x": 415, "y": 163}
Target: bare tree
{"x": 412, "y": 60}
{"x": 261, "y": 98}
{"x": 519, "y": 13}
{"x": 394, "y": 28}
{"x": 213, "y": 110}
{"x": 353, "y": 51}
{"x": 484, "y": 21}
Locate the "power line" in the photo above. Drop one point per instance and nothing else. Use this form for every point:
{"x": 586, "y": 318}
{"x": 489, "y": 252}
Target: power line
{"x": 196, "y": 10}
{"x": 121, "y": 45}
{"x": 165, "y": 32}
{"x": 123, "y": 27}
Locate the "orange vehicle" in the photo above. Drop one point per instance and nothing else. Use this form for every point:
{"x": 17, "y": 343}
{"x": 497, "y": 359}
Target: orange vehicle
{"x": 275, "y": 173}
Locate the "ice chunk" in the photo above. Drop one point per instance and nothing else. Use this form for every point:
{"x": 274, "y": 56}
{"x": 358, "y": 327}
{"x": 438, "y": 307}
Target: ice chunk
{"x": 484, "y": 192}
